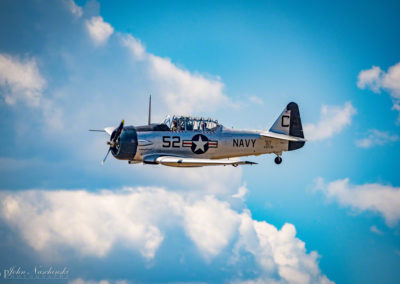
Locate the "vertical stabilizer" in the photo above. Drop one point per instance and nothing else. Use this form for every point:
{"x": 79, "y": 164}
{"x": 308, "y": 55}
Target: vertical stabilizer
{"x": 289, "y": 123}
{"x": 282, "y": 123}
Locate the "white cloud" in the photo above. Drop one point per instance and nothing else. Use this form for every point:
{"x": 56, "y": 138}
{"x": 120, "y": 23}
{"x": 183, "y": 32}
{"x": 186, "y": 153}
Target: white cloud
{"x": 375, "y": 230}
{"x": 135, "y": 46}
{"x": 376, "y": 80}
{"x": 20, "y": 80}
{"x": 377, "y": 138}
{"x": 217, "y": 181}
{"x": 391, "y": 80}
{"x": 183, "y": 92}
{"x": 99, "y": 30}
{"x": 241, "y": 192}
{"x": 383, "y": 199}
{"x": 333, "y": 120}
{"x": 91, "y": 223}
{"x": 278, "y": 252}
{"x": 370, "y": 78}
{"x": 75, "y": 9}
{"x": 211, "y": 224}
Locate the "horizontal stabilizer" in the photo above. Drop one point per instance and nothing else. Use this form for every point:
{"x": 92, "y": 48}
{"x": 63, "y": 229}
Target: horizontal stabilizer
{"x": 282, "y": 136}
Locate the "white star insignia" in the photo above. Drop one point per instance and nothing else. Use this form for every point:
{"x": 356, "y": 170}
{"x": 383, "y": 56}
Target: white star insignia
{"x": 199, "y": 144}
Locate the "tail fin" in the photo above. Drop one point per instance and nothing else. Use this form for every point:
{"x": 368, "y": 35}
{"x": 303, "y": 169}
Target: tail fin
{"x": 289, "y": 123}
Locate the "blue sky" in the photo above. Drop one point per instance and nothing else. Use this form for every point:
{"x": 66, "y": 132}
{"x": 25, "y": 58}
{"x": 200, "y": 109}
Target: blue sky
{"x": 329, "y": 212}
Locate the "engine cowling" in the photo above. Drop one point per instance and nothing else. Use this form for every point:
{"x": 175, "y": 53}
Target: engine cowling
{"x": 126, "y": 145}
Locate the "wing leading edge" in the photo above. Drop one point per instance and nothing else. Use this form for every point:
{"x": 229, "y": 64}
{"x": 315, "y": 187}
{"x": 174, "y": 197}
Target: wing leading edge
{"x": 173, "y": 161}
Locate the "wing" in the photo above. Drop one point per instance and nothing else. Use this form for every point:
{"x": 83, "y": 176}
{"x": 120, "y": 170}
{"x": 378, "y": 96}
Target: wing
{"x": 173, "y": 161}
{"x": 282, "y": 136}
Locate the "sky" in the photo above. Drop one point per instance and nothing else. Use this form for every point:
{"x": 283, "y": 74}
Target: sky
{"x": 328, "y": 214}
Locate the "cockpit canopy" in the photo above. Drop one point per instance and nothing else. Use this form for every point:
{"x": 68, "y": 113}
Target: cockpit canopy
{"x": 189, "y": 123}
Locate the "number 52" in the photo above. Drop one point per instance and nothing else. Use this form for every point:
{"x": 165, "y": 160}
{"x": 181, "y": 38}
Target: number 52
{"x": 175, "y": 143}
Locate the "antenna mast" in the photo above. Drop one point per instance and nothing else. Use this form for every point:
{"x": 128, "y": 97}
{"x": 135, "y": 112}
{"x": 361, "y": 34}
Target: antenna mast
{"x": 149, "y": 110}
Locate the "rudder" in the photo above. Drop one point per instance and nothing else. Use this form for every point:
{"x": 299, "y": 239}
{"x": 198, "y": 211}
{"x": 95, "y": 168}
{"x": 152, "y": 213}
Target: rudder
{"x": 296, "y": 128}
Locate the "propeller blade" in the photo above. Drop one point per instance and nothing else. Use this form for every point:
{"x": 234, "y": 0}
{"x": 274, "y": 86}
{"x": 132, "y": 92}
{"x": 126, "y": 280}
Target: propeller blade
{"x": 119, "y": 130}
{"x": 97, "y": 130}
{"x": 121, "y": 125}
{"x": 108, "y": 152}
{"x": 113, "y": 139}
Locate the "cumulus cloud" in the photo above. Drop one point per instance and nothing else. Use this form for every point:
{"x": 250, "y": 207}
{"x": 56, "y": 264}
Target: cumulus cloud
{"x": 211, "y": 224}
{"x": 20, "y": 80}
{"x": 178, "y": 90}
{"x": 377, "y": 138}
{"x": 75, "y": 9}
{"x": 219, "y": 181}
{"x": 99, "y": 30}
{"x": 136, "y": 47}
{"x": 333, "y": 120}
{"x": 99, "y": 221}
{"x": 377, "y": 80}
{"x": 184, "y": 92}
{"x": 278, "y": 252}
{"x": 382, "y": 199}
{"x": 91, "y": 223}
{"x": 241, "y": 192}
{"x": 370, "y": 78}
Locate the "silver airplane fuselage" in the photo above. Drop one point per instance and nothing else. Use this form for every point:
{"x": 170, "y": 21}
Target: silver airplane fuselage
{"x": 218, "y": 144}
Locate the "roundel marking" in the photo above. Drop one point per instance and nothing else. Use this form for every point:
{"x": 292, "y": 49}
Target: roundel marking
{"x": 199, "y": 144}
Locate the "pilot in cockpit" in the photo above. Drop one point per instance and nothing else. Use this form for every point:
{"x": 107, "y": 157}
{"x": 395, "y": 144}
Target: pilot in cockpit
{"x": 174, "y": 125}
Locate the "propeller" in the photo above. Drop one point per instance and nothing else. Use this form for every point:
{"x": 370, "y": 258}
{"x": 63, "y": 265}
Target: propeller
{"x": 108, "y": 152}
{"x": 113, "y": 140}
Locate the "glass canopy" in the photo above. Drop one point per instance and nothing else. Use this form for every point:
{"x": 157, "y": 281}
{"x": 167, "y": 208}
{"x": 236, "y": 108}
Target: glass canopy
{"x": 189, "y": 123}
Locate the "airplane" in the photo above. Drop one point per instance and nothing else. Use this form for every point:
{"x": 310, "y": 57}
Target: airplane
{"x": 187, "y": 141}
